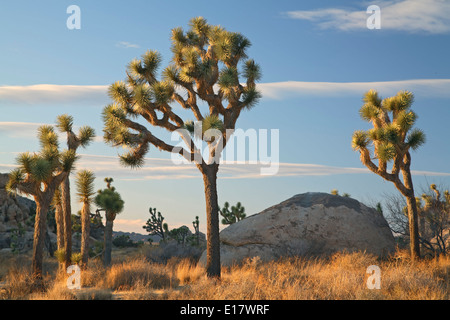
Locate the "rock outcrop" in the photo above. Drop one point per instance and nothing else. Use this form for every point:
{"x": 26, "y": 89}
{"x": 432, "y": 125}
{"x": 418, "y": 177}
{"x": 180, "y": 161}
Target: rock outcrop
{"x": 14, "y": 213}
{"x": 310, "y": 224}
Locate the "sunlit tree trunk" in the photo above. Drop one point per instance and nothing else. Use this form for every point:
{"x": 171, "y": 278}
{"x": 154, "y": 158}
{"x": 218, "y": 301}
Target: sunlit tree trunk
{"x": 85, "y": 232}
{"x": 67, "y": 211}
{"x": 213, "y": 265}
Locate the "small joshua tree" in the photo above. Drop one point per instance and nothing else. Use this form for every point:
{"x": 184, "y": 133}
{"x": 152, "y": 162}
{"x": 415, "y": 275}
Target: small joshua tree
{"x": 435, "y": 221}
{"x": 85, "y": 191}
{"x": 84, "y": 137}
{"x": 180, "y": 234}
{"x": 39, "y": 175}
{"x": 233, "y": 214}
{"x": 111, "y": 202}
{"x": 155, "y": 225}
{"x": 196, "y": 225}
{"x": 392, "y": 137}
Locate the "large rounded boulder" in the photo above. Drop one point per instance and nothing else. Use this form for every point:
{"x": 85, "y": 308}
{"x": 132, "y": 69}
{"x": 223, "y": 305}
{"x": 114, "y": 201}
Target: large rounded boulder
{"x": 309, "y": 224}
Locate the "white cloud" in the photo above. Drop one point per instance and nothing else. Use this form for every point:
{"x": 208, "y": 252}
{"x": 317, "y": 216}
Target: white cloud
{"x": 420, "y": 87}
{"x": 28, "y": 130}
{"x": 54, "y": 94}
{"x": 429, "y": 16}
{"x": 125, "y": 44}
{"x": 19, "y": 129}
{"x": 157, "y": 168}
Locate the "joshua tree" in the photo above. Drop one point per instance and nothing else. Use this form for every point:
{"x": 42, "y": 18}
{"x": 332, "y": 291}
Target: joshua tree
{"x": 155, "y": 225}
{"x": 111, "y": 202}
{"x": 84, "y": 137}
{"x": 108, "y": 182}
{"x": 85, "y": 191}
{"x": 180, "y": 234}
{"x": 335, "y": 192}
{"x": 237, "y": 213}
{"x": 392, "y": 137}
{"x": 204, "y": 73}
{"x": 435, "y": 221}
{"x": 39, "y": 175}
{"x": 196, "y": 225}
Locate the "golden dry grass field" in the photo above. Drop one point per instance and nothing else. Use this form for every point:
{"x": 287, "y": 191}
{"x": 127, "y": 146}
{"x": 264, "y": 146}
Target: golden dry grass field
{"x": 132, "y": 277}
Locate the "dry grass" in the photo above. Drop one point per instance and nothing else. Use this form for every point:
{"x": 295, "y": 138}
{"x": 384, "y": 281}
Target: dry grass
{"x": 339, "y": 277}
{"x": 126, "y": 275}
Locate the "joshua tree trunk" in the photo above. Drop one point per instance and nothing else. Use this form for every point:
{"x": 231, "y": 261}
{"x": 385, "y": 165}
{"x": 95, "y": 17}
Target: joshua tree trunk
{"x": 413, "y": 226}
{"x": 59, "y": 218}
{"x": 212, "y": 220}
{"x": 40, "y": 230}
{"x": 412, "y": 212}
{"x": 67, "y": 212}
{"x": 85, "y": 232}
{"x": 108, "y": 239}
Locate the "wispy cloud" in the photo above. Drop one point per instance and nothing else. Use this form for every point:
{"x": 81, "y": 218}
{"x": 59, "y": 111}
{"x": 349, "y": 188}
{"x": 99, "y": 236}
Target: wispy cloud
{"x": 422, "y": 87}
{"x": 426, "y": 16}
{"x": 28, "y": 130}
{"x": 157, "y": 168}
{"x": 125, "y": 44}
{"x": 53, "y": 94}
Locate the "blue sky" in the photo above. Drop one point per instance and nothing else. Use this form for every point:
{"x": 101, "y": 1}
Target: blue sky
{"x": 317, "y": 59}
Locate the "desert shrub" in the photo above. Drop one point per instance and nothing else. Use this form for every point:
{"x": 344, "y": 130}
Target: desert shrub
{"x": 124, "y": 241}
{"x": 172, "y": 249}
{"x": 124, "y": 276}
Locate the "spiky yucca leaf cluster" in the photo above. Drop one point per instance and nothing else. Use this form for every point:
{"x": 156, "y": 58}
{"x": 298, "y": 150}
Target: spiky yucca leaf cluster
{"x": 392, "y": 133}
{"x": 85, "y": 185}
{"x": 40, "y": 168}
{"x": 207, "y": 64}
{"x": 85, "y": 135}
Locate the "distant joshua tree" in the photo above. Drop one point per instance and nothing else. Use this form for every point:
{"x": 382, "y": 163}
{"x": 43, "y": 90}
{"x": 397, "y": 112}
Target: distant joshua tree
{"x": 155, "y": 225}
{"x": 233, "y": 214}
{"x": 196, "y": 225}
{"x": 39, "y": 175}
{"x": 204, "y": 71}
{"x": 335, "y": 192}
{"x": 392, "y": 137}
{"x": 111, "y": 202}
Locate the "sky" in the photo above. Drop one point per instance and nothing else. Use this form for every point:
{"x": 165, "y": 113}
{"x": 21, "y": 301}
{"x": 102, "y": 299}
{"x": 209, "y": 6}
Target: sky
{"x": 317, "y": 58}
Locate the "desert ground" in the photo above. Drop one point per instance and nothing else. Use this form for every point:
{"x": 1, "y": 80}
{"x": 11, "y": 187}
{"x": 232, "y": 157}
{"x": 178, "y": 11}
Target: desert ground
{"x": 133, "y": 276}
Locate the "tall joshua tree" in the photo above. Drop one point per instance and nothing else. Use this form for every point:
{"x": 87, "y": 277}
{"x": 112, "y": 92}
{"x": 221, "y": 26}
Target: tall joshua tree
{"x": 85, "y": 191}
{"x": 392, "y": 137}
{"x": 39, "y": 175}
{"x": 84, "y": 137}
{"x": 110, "y": 201}
{"x": 204, "y": 74}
